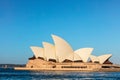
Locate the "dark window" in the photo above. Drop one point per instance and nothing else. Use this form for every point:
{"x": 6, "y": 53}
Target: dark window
{"x": 32, "y": 58}
{"x": 41, "y": 58}
{"x": 106, "y": 67}
{"x": 52, "y": 60}
{"x": 67, "y": 60}
{"x": 54, "y": 66}
{"x": 74, "y": 66}
{"x": 78, "y": 61}
{"x": 31, "y": 66}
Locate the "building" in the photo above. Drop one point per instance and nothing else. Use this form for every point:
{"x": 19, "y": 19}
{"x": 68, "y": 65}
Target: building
{"x": 61, "y": 56}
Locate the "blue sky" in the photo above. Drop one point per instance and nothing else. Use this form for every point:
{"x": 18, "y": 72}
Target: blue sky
{"x": 83, "y": 23}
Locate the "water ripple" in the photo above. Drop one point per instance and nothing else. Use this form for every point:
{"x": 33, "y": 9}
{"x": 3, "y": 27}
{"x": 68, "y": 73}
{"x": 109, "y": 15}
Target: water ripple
{"x": 57, "y": 75}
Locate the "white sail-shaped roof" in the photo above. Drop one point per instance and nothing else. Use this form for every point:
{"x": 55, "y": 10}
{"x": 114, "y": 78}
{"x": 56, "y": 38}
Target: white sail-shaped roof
{"x": 49, "y": 51}
{"x": 103, "y": 58}
{"x": 94, "y": 58}
{"x": 73, "y": 57}
{"x": 63, "y": 49}
{"x": 38, "y": 51}
{"x": 84, "y": 53}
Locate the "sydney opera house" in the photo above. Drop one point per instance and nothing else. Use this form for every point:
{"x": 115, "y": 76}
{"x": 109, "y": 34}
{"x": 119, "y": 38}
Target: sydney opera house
{"x": 61, "y": 56}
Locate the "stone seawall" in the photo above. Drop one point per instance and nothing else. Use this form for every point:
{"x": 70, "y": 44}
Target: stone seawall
{"x": 53, "y": 69}
{"x": 70, "y": 69}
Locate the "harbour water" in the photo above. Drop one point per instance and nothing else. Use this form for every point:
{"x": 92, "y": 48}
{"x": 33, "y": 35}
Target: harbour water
{"x": 10, "y": 74}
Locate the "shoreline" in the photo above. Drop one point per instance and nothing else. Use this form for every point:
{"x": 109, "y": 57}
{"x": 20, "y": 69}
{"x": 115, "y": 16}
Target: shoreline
{"x": 76, "y": 70}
